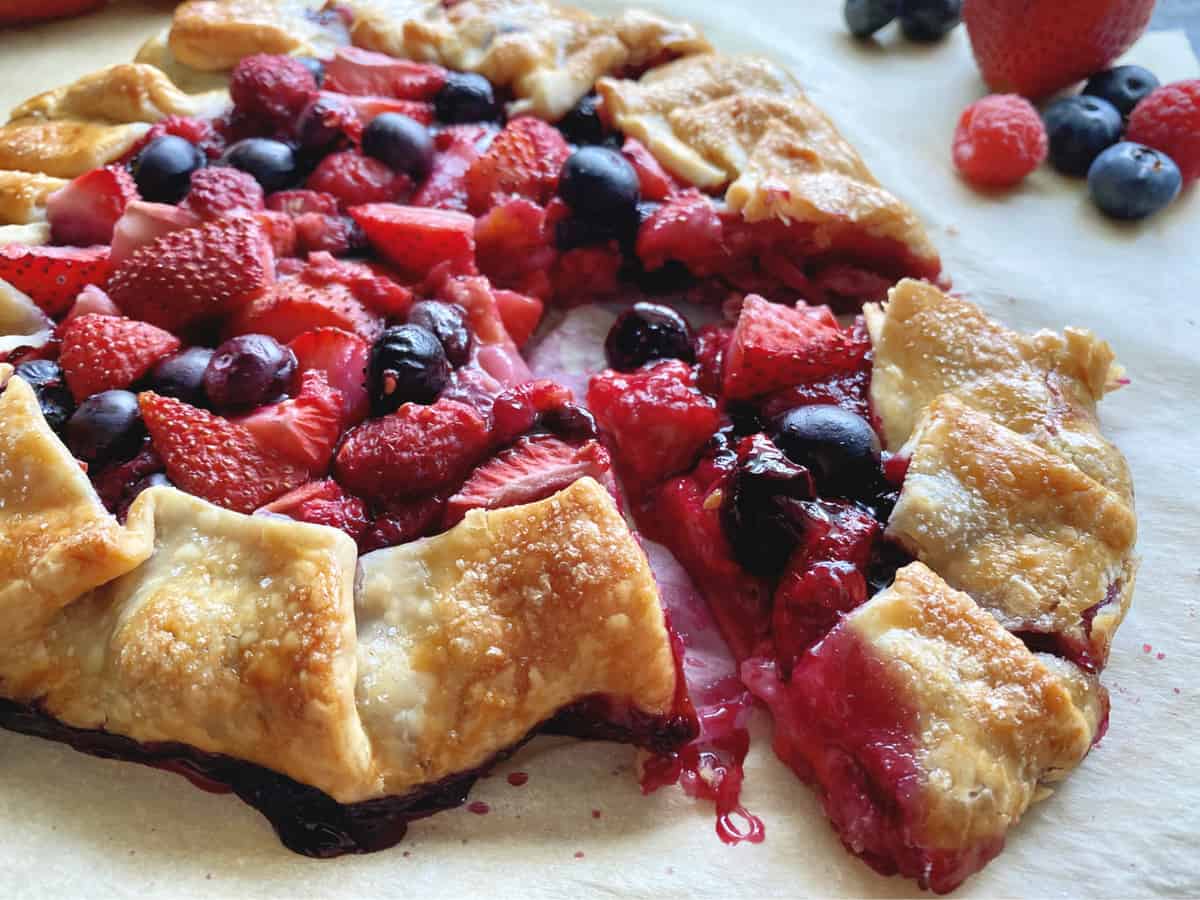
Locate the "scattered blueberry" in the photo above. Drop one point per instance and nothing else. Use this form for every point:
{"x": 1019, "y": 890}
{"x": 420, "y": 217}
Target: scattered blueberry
{"x": 1124, "y": 87}
{"x": 600, "y": 186}
{"x": 648, "y": 332}
{"x": 46, "y": 379}
{"x": 182, "y": 376}
{"x": 839, "y": 448}
{"x": 571, "y": 422}
{"x": 317, "y": 131}
{"x": 466, "y": 97}
{"x": 315, "y": 66}
{"x": 272, "y": 163}
{"x": 403, "y": 143}
{"x": 1079, "y": 129}
{"x": 105, "y": 427}
{"x": 248, "y": 371}
{"x": 1132, "y": 181}
{"x": 929, "y": 20}
{"x": 163, "y": 170}
{"x": 865, "y": 17}
{"x": 448, "y": 323}
{"x": 583, "y": 125}
{"x": 408, "y": 365}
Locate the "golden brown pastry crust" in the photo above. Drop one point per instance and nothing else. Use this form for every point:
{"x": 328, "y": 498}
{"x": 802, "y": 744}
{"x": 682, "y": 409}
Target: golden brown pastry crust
{"x": 128, "y": 92}
{"x": 23, "y": 196}
{"x": 65, "y": 148}
{"x": 212, "y": 35}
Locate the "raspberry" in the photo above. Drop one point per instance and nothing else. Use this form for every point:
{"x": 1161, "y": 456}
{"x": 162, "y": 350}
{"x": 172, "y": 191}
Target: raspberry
{"x": 274, "y": 88}
{"x": 1169, "y": 120}
{"x": 1000, "y": 139}
{"x": 220, "y": 190}
{"x": 355, "y": 179}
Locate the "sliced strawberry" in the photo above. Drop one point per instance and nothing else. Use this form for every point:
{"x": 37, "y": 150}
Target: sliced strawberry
{"x": 417, "y": 239}
{"x": 658, "y": 420}
{"x": 293, "y": 306}
{"x": 86, "y": 210}
{"x": 143, "y": 223}
{"x": 53, "y": 276}
{"x": 298, "y": 202}
{"x": 196, "y": 274}
{"x": 457, "y": 146}
{"x": 532, "y": 469}
{"x": 342, "y": 357}
{"x": 776, "y": 346}
{"x": 521, "y": 314}
{"x": 215, "y": 459}
{"x": 322, "y": 503}
{"x": 318, "y": 233}
{"x": 523, "y": 161}
{"x": 92, "y": 299}
{"x": 686, "y": 229}
{"x": 302, "y": 429}
{"x": 414, "y": 451}
{"x": 280, "y": 230}
{"x": 515, "y": 410}
{"x": 653, "y": 180}
{"x": 370, "y": 283}
{"x": 402, "y": 522}
{"x": 355, "y": 179}
{"x": 362, "y": 72}
{"x": 101, "y": 353}
{"x": 513, "y": 242}
{"x": 219, "y": 190}
{"x": 363, "y": 109}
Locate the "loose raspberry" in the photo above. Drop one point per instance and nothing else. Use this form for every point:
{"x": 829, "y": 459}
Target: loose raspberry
{"x": 1000, "y": 139}
{"x": 274, "y": 88}
{"x": 1169, "y": 120}
{"x": 220, "y": 190}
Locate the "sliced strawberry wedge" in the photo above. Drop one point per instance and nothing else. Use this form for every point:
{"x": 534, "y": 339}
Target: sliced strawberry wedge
{"x": 417, "y": 239}
{"x": 523, "y": 161}
{"x": 342, "y": 357}
{"x": 53, "y": 276}
{"x": 101, "y": 353}
{"x": 532, "y": 469}
{"x": 293, "y": 306}
{"x": 322, "y": 503}
{"x": 361, "y": 72}
{"x": 457, "y": 146}
{"x": 521, "y": 314}
{"x": 86, "y": 210}
{"x": 304, "y": 429}
{"x": 143, "y": 223}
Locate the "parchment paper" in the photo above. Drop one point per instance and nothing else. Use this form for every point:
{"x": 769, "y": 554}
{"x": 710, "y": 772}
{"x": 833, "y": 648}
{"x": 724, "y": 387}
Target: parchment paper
{"x": 1126, "y": 824}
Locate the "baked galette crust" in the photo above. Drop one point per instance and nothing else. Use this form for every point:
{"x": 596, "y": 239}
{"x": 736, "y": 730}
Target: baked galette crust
{"x": 212, "y": 35}
{"x": 23, "y": 196}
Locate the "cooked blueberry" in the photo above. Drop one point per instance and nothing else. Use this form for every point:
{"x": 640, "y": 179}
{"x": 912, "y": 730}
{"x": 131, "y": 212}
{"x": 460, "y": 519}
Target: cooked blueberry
{"x": 929, "y": 20}
{"x": 315, "y": 66}
{"x": 572, "y": 233}
{"x": 248, "y": 371}
{"x": 865, "y": 17}
{"x": 571, "y": 422}
{"x": 583, "y": 125}
{"x": 600, "y": 186}
{"x": 408, "y": 365}
{"x": 46, "y": 379}
{"x": 272, "y": 163}
{"x": 839, "y": 448}
{"x": 448, "y": 323}
{"x": 1132, "y": 181}
{"x": 163, "y": 171}
{"x": 755, "y": 511}
{"x": 182, "y": 376}
{"x": 105, "y": 427}
{"x": 646, "y": 332}
{"x": 1079, "y": 129}
{"x": 1124, "y": 87}
{"x": 403, "y": 143}
{"x": 318, "y": 132}
{"x": 466, "y": 97}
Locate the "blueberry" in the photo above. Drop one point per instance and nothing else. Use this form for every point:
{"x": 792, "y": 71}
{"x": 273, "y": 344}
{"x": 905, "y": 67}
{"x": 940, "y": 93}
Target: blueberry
{"x": 929, "y": 20}
{"x": 648, "y": 332}
{"x": 315, "y": 66}
{"x": 272, "y": 163}
{"x": 248, "y": 371}
{"x": 583, "y": 125}
{"x": 1079, "y": 129}
{"x": 573, "y": 232}
{"x": 448, "y": 323}
{"x": 182, "y": 376}
{"x": 163, "y": 170}
{"x": 865, "y": 17}
{"x": 403, "y": 143}
{"x": 105, "y": 427}
{"x": 408, "y": 365}
{"x": 317, "y": 130}
{"x": 466, "y": 97}
{"x": 839, "y": 448}
{"x": 46, "y": 379}
{"x": 600, "y": 186}
{"x": 571, "y": 422}
{"x": 1124, "y": 87}
{"x": 1132, "y": 181}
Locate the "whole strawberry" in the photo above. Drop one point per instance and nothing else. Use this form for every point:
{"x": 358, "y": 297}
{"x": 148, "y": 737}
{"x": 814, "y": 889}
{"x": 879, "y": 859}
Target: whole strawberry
{"x": 1036, "y": 47}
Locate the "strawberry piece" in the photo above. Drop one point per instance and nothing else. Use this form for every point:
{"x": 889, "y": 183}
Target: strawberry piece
{"x": 521, "y": 314}
{"x": 457, "y": 147}
{"x": 86, "y": 211}
{"x": 355, "y": 179}
{"x": 143, "y": 223}
{"x": 414, "y": 451}
{"x": 215, "y": 459}
{"x": 101, "y": 353}
{"x": 586, "y": 273}
{"x": 417, "y": 239}
{"x": 999, "y": 140}
{"x": 219, "y": 190}
{"x": 92, "y": 299}
{"x": 531, "y": 470}
{"x": 318, "y": 233}
{"x": 271, "y": 89}
{"x": 776, "y": 346}
{"x": 298, "y": 202}
{"x": 657, "y": 418}
{"x": 403, "y": 522}
{"x": 196, "y": 274}
{"x": 322, "y": 503}
{"x": 53, "y": 276}
{"x": 302, "y": 429}
{"x": 293, "y": 306}
{"x": 513, "y": 242}
{"x": 280, "y": 230}
{"x": 342, "y": 357}
{"x": 523, "y": 161}
{"x": 1169, "y": 120}
{"x": 653, "y": 181}
{"x": 515, "y": 410}
{"x": 686, "y": 229}
{"x": 363, "y": 72}
{"x": 361, "y": 110}
{"x": 1035, "y": 49}
{"x": 371, "y": 285}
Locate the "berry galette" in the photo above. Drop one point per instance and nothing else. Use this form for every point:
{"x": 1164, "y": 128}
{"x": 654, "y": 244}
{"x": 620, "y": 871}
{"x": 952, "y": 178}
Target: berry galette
{"x": 284, "y": 508}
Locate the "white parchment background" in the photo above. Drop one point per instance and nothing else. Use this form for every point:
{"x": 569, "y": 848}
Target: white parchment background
{"x": 1126, "y": 824}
